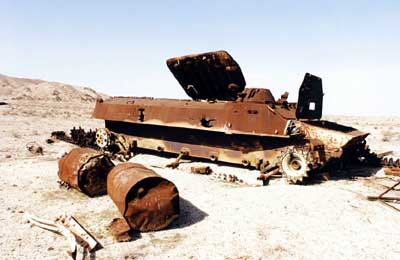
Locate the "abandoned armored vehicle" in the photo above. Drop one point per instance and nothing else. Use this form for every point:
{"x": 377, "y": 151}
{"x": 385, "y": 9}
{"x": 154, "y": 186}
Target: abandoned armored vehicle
{"x": 226, "y": 122}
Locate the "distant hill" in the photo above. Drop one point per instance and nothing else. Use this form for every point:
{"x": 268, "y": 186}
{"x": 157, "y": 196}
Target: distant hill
{"x": 12, "y": 88}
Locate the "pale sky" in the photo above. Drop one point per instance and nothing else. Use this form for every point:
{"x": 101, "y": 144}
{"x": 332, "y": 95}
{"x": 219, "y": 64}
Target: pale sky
{"x": 120, "y": 47}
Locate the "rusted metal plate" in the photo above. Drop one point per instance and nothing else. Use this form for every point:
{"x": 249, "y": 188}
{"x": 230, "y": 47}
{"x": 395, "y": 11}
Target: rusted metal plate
{"x": 147, "y": 201}
{"x": 205, "y": 170}
{"x": 309, "y": 105}
{"x": 256, "y": 95}
{"x": 85, "y": 169}
{"x": 227, "y": 109}
{"x": 120, "y": 230}
{"x": 211, "y": 75}
{"x": 395, "y": 171}
{"x": 226, "y": 117}
{"x": 238, "y": 149}
{"x": 332, "y": 135}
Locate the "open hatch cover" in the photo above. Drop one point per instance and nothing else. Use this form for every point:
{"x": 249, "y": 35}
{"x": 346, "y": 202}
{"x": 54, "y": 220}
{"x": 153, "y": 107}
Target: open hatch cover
{"x": 309, "y": 104}
{"x": 211, "y": 75}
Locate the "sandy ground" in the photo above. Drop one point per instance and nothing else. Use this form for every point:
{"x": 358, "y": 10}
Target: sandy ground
{"x": 219, "y": 220}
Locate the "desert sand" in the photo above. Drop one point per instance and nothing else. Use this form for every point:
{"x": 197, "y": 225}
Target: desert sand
{"x": 219, "y": 220}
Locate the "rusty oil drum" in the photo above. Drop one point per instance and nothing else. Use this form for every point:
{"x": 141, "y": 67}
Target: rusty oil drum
{"x": 147, "y": 201}
{"x": 85, "y": 169}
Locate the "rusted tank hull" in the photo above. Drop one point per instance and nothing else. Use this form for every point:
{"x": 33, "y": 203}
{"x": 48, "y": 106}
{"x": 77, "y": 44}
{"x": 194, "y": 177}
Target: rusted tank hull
{"x": 147, "y": 201}
{"x": 225, "y": 121}
{"x": 238, "y": 149}
{"x": 256, "y": 119}
{"x": 260, "y": 152}
{"x": 86, "y": 170}
{"x": 264, "y": 136}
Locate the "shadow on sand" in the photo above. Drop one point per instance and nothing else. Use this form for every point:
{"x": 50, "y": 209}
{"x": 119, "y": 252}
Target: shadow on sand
{"x": 189, "y": 215}
{"x": 349, "y": 173}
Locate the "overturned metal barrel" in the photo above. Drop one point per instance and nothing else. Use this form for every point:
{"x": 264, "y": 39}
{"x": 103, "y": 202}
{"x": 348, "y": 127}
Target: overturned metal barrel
{"x": 85, "y": 169}
{"x": 147, "y": 201}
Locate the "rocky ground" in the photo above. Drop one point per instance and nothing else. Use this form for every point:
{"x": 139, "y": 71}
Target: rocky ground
{"x": 219, "y": 220}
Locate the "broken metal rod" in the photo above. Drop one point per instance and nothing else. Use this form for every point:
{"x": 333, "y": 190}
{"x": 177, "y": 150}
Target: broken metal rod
{"x": 266, "y": 176}
{"x": 389, "y": 189}
{"x": 175, "y": 163}
{"x": 385, "y": 200}
{"x": 383, "y": 154}
{"x": 387, "y": 204}
{"x": 395, "y": 171}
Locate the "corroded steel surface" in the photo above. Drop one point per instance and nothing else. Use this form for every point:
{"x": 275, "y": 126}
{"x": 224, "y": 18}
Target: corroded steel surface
{"x": 146, "y": 200}
{"x": 256, "y": 95}
{"x": 395, "y": 171}
{"x": 212, "y": 75}
{"x": 77, "y": 136}
{"x": 223, "y": 122}
{"x": 310, "y": 98}
{"x": 86, "y": 170}
{"x": 216, "y": 116}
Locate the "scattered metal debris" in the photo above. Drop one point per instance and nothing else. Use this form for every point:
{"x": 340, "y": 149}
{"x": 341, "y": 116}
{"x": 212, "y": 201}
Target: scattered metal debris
{"x": 58, "y": 136}
{"x": 265, "y": 177}
{"x": 392, "y": 171}
{"x": 78, "y": 136}
{"x": 83, "y": 138}
{"x": 51, "y": 140}
{"x": 81, "y": 234}
{"x": 101, "y": 139}
{"x": 57, "y": 228}
{"x": 205, "y": 170}
{"x": 147, "y": 201}
{"x": 114, "y": 143}
{"x": 227, "y": 122}
{"x": 385, "y": 200}
{"x": 177, "y": 161}
{"x": 383, "y": 154}
{"x": 228, "y": 177}
{"x": 121, "y": 231}
{"x": 63, "y": 184}
{"x": 85, "y": 169}
{"x": 69, "y": 227}
{"x": 391, "y": 164}
{"x": 34, "y": 148}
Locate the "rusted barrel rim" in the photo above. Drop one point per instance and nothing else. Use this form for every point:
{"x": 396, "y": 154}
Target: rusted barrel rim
{"x": 86, "y": 170}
